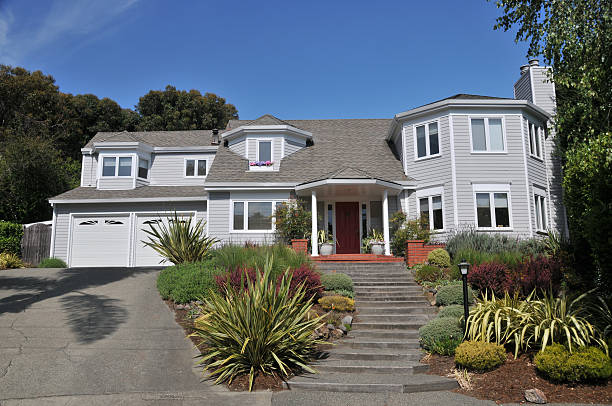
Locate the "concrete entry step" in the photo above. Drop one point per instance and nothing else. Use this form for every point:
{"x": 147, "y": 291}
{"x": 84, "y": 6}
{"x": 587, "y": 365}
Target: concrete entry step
{"x": 373, "y": 333}
{"x": 343, "y": 352}
{"x": 372, "y": 367}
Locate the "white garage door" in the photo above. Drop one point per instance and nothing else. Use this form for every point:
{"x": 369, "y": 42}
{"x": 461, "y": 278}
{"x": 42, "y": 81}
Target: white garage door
{"x": 100, "y": 241}
{"x": 145, "y": 255}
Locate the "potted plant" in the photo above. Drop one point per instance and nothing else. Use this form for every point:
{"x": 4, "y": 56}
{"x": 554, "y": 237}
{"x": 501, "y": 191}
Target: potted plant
{"x": 326, "y": 243}
{"x": 377, "y": 242}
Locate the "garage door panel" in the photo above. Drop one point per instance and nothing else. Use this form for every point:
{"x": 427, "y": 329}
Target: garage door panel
{"x": 100, "y": 241}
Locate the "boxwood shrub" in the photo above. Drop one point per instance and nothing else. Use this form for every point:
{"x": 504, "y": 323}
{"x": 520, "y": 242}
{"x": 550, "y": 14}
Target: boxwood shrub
{"x": 455, "y": 311}
{"x": 337, "y": 281}
{"x": 585, "y": 364}
{"x": 480, "y": 355}
{"x": 10, "y": 237}
{"x": 187, "y": 282}
{"x": 452, "y": 294}
{"x": 439, "y": 257}
{"x": 52, "y": 263}
{"x": 439, "y": 330}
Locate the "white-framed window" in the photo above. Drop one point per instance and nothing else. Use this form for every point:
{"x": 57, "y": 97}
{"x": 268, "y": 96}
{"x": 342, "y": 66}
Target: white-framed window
{"x": 539, "y": 200}
{"x": 195, "y": 168}
{"x": 431, "y": 208}
{"x": 264, "y": 150}
{"x": 493, "y": 207}
{"x": 257, "y": 216}
{"x": 113, "y": 166}
{"x": 535, "y": 140}
{"x": 143, "y": 168}
{"x": 487, "y": 134}
{"x": 426, "y": 140}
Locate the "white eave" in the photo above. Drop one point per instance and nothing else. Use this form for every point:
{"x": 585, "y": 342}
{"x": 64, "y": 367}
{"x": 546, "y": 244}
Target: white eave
{"x": 225, "y": 186}
{"x": 266, "y": 129}
{"x": 335, "y": 181}
{"x": 132, "y": 200}
{"x": 466, "y": 103}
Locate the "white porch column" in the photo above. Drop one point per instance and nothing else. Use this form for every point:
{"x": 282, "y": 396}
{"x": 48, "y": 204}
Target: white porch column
{"x": 385, "y": 213}
{"x": 314, "y": 241}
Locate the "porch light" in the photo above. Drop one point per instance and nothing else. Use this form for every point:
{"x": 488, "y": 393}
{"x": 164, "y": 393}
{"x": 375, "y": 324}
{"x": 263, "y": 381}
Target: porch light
{"x": 464, "y": 267}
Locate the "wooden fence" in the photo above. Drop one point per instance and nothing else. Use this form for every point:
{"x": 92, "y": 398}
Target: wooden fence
{"x": 36, "y": 243}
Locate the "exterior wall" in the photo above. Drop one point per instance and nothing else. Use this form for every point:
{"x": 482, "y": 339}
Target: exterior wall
{"x": 491, "y": 168}
{"x": 430, "y": 172}
{"x": 536, "y": 173}
{"x": 169, "y": 169}
{"x": 118, "y": 183}
{"x": 522, "y": 88}
{"x": 89, "y": 170}
{"x": 292, "y": 146}
{"x": 238, "y": 146}
{"x": 277, "y": 148}
{"x": 61, "y": 239}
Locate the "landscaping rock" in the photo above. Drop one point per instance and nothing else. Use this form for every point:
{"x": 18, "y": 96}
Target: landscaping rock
{"x": 180, "y": 307}
{"x": 343, "y": 328}
{"x": 331, "y": 327}
{"x": 187, "y": 307}
{"x": 337, "y": 333}
{"x": 347, "y": 320}
{"x": 535, "y": 396}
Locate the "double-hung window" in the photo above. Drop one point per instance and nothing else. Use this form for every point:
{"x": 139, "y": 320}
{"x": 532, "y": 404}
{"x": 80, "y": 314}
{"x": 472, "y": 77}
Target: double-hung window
{"x": 143, "y": 168}
{"x": 487, "y": 135}
{"x": 264, "y": 150}
{"x": 116, "y": 166}
{"x": 430, "y": 209}
{"x": 253, "y": 215}
{"x": 535, "y": 141}
{"x": 195, "y": 168}
{"x": 427, "y": 140}
{"x": 492, "y": 209}
{"x": 540, "y": 211}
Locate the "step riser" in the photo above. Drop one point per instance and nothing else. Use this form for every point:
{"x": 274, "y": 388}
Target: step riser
{"x": 393, "y": 319}
{"x": 391, "y": 290}
{"x": 385, "y": 346}
{"x": 384, "y": 283}
{"x": 420, "y": 302}
{"x": 384, "y": 298}
{"x": 372, "y": 370}
{"x": 376, "y": 357}
{"x": 370, "y": 335}
{"x": 395, "y": 310}
{"x": 387, "y": 326}
{"x": 372, "y": 388}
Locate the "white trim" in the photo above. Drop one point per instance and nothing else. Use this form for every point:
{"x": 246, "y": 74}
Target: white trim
{"x": 83, "y": 169}
{"x": 533, "y": 97}
{"x": 148, "y": 168}
{"x": 101, "y": 157}
{"x": 500, "y": 188}
{"x": 404, "y": 132}
{"x": 385, "y": 220}
{"x": 438, "y": 190}
{"x": 196, "y": 172}
{"x": 453, "y": 171}
{"x": 245, "y": 225}
{"x": 429, "y": 194}
{"x": 425, "y": 125}
{"x": 486, "y": 118}
{"x": 323, "y": 182}
{"x": 53, "y": 226}
{"x": 539, "y": 201}
{"x": 131, "y": 200}
{"x": 491, "y": 187}
{"x": 523, "y": 140}
{"x": 267, "y": 129}
{"x": 159, "y": 150}
{"x": 314, "y": 238}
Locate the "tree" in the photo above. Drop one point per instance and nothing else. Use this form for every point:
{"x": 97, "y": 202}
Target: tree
{"x": 575, "y": 38}
{"x": 172, "y": 109}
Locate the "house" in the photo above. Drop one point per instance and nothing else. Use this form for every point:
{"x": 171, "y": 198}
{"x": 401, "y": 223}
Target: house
{"x": 464, "y": 161}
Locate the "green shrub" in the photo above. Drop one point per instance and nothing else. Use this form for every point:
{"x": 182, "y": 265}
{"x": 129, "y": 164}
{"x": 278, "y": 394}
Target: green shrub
{"x": 232, "y": 256}
{"x": 427, "y": 273}
{"x": 439, "y": 257}
{"x": 344, "y": 292}
{"x": 446, "y": 346}
{"x": 584, "y": 365}
{"x": 452, "y": 294}
{"x": 402, "y": 230}
{"x": 10, "y": 237}
{"x": 180, "y": 242}
{"x": 512, "y": 259}
{"x": 337, "y": 281}
{"x": 9, "y": 260}
{"x": 263, "y": 329}
{"x": 439, "y": 329}
{"x": 480, "y": 355}
{"x": 292, "y": 221}
{"x": 455, "y": 311}
{"x": 473, "y": 240}
{"x": 187, "y": 282}
{"x": 338, "y": 303}
{"x": 52, "y": 263}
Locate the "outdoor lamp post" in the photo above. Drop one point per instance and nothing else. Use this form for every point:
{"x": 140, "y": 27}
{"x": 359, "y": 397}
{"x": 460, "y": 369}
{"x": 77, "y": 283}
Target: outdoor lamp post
{"x": 464, "y": 268}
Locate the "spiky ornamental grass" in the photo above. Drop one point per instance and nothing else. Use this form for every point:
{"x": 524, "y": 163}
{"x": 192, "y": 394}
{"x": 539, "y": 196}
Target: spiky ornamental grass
{"x": 179, "y": 241}
{"x": 261, "y": 329}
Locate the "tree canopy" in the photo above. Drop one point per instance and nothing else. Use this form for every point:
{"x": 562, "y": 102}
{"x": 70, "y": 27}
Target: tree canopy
{"x": 42, "y": 131}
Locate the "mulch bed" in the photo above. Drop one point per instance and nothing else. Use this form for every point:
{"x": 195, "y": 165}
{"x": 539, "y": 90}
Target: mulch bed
{"x": 508, "y": 382}
{"x": 240, "y": 383}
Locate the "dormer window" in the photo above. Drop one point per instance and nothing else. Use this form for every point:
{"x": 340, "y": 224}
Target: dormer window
{"x": 264, "y": 150}
{"x": 143, "y": 168}
{"x": 117, "y": 166}
{"x": 195, "y": 168}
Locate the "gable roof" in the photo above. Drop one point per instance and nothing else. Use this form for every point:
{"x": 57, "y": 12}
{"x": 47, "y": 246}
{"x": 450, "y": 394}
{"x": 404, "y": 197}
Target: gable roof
{"x": 188, "y": 138}
{"x": 341, "y": 148}
{"x": 266, "y": 119}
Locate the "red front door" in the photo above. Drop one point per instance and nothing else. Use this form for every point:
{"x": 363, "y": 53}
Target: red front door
{"x": 347, "y": 228}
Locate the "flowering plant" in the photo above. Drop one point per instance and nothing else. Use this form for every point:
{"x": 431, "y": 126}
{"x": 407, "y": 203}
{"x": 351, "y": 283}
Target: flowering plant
{"x": 261, "y": 163}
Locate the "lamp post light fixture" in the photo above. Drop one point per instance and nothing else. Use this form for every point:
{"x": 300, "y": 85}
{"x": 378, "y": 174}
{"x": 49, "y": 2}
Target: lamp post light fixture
{"x": 464, "y": 267}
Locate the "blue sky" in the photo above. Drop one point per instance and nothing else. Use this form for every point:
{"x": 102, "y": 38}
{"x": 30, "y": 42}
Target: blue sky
{"x": 309, "y": 59}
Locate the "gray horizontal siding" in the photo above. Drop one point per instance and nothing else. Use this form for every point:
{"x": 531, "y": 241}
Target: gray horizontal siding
{"x": 169, "y": 169}
{"x": 117, "y": 183}
{"x": 63, "y": 211}
{"x": 543, "y": 89}
{"x": 89, "y": 171}
{"x": 238, "y": 146}
{"x": 522, "y": 88}
{"x": 536, "y": 172}
{"x": 292, "y": 146}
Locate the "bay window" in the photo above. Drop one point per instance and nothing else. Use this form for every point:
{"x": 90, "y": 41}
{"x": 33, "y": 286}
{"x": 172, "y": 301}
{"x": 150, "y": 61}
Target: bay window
{"x": 487, "y": 135}
{"x": 116, "y": 166}
{"x": 143, "y": 168}
{"x": 427, "y": 140}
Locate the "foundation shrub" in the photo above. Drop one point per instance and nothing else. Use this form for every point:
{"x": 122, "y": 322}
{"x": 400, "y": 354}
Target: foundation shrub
{"x": 452, "y": 294}
{"x": 428, "y": 273}
{"x": 479, "y": 355}
{"x": 337, "y": 281}
{"x": 455, "y": 311}
{"x": 490, "y": 277}
{"x": 439, "y": 257}
{"x": 539, "y": 273}
{"x": 585, "y": 364}
{"x": 439, "y": 332}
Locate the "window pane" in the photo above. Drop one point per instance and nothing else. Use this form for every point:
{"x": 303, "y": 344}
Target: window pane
{"x": 537, "y": 141}
{"x": 502, "y": 215}
{"x": 320, "y": 215}
{"x": 190, "y": 167}
{"x": 434, "y": 148}
{"x": 125, "y": 166}
{"x": 260, "y": 214}
{"x": 436, "y": 206}
{"x": 143, "y": 168}
{"x": 479, "y": 141}
{"x": 538, "y": 213}
{"x": 330, "y": 219}
{"x": 424, "y": 210}
{"x": 364, "y": 219}
{"x": 496, "y": 134}
{"x": 238, "y": 216}
{"x": 108, "y": 166}
{"x": 483, "y": 210}
{"x": 201, "y": 167}
{"x": 265, "y": 151}
{"x": 376, "y": 215}
{"x": 543, "y": 206}
{"x": 532, "y": 147}
{"x": 421, "y": 149}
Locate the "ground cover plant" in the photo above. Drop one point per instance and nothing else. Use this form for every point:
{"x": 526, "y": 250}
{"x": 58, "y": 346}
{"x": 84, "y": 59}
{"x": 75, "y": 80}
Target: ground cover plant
{"x": 441, "y": 335}
{"x": 337, "y": 303}
{"x": 184, "y": 283}
{"x": 260, "y": 330}
{"x": 52, "y": 263}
